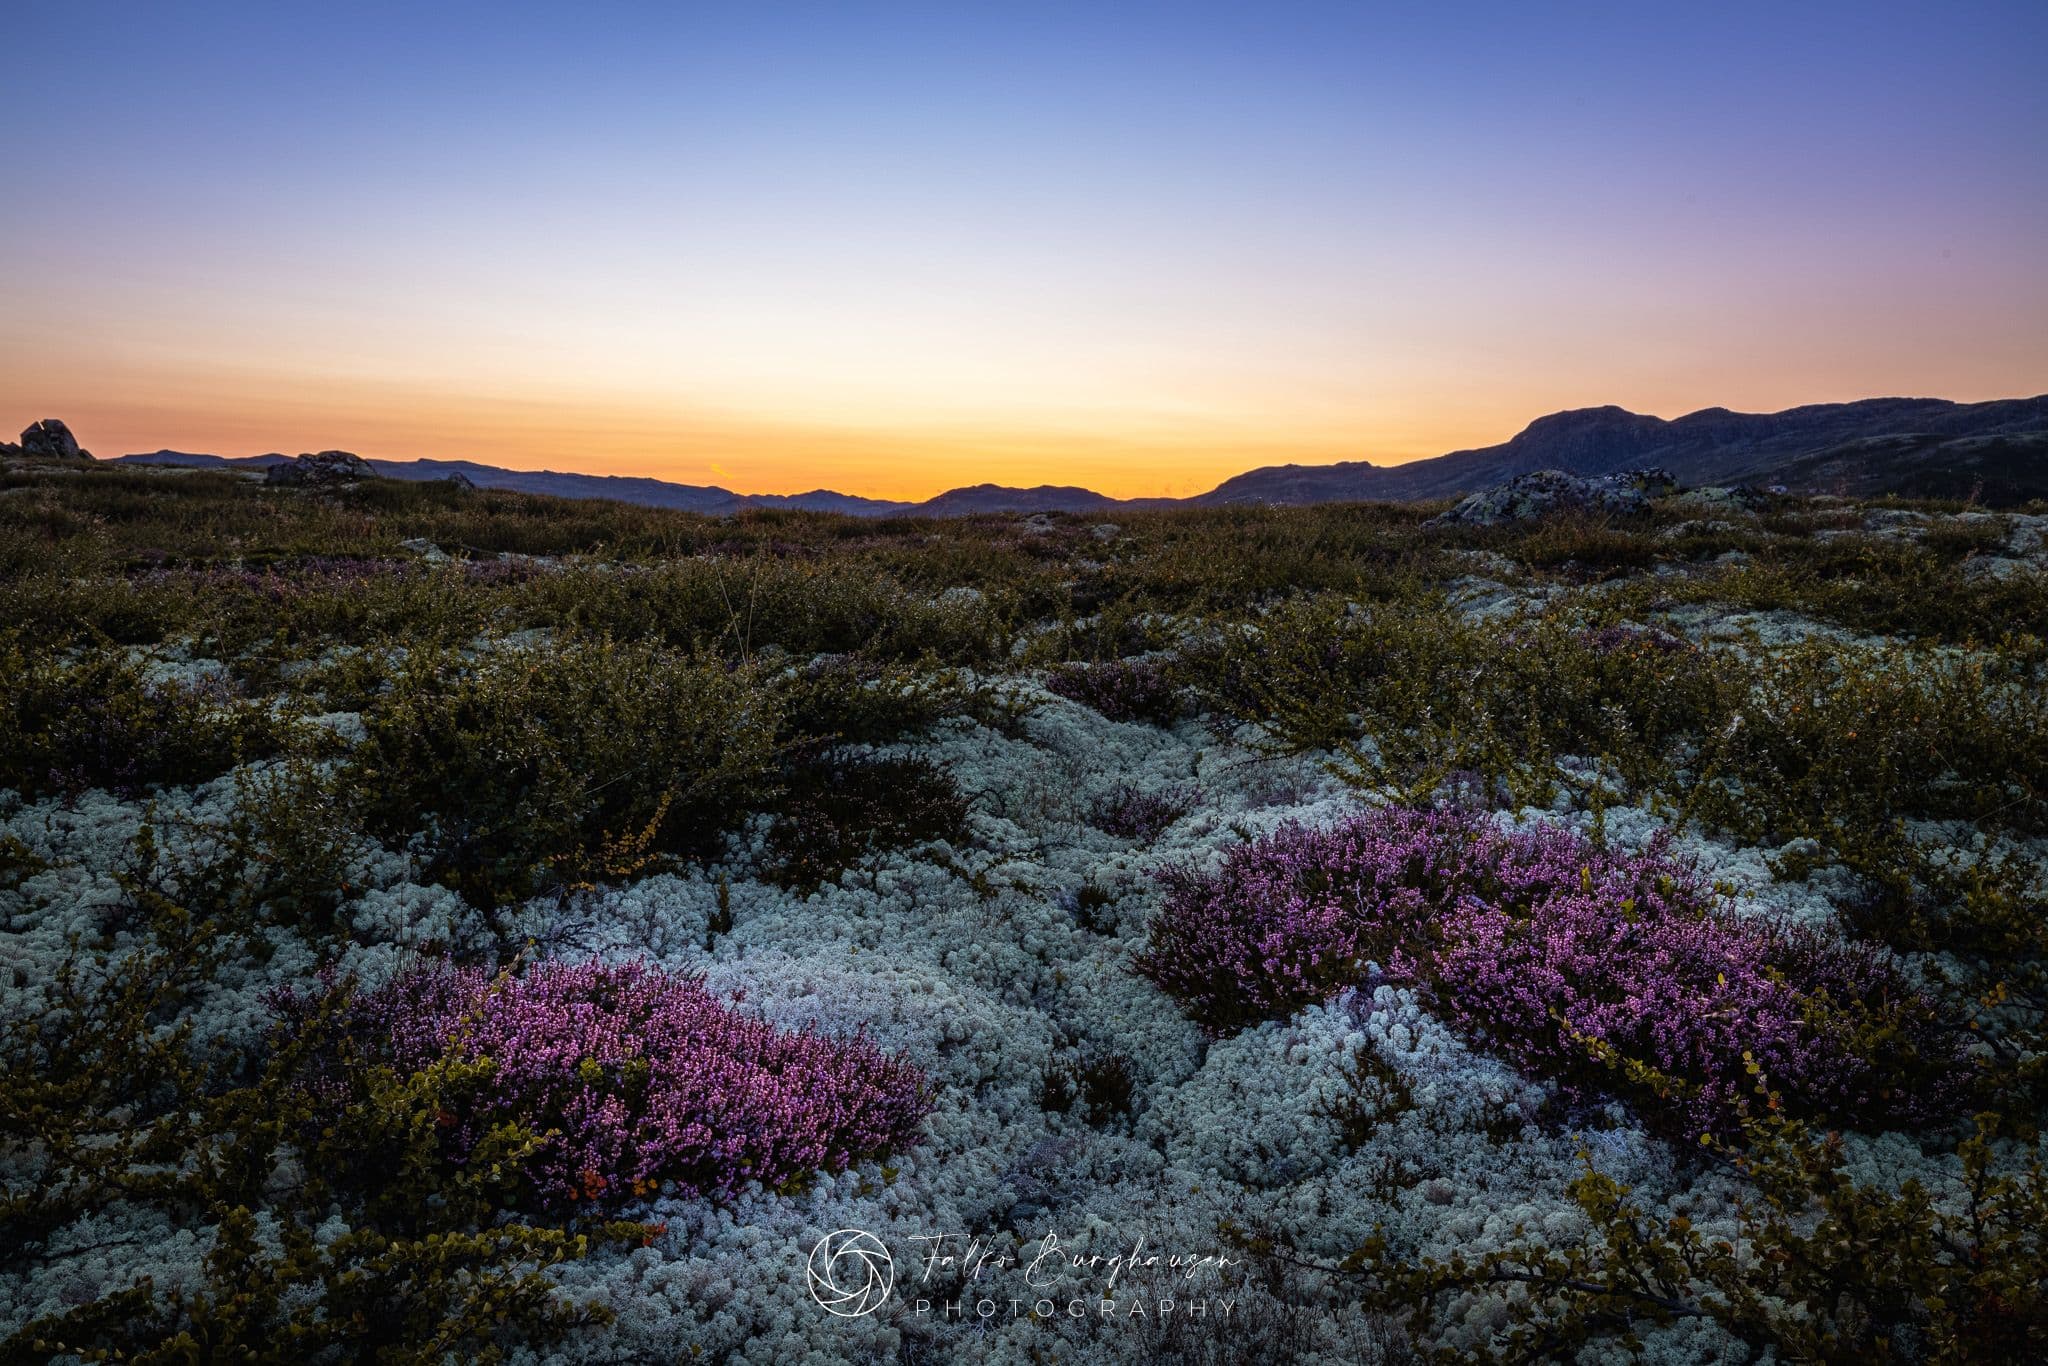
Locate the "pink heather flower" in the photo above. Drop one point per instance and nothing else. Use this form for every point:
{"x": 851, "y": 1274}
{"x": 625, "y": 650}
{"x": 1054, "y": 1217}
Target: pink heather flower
{"x": 1544, "y": 947}
{"x": 640, "y": 1076}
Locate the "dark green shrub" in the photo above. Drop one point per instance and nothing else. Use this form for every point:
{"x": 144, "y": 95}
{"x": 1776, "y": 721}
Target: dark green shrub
{"x": 96, "y": 720}
{"x": 525, "y": 768}
{"x": 837, "y": 809}
{"x": 853, "y": 699}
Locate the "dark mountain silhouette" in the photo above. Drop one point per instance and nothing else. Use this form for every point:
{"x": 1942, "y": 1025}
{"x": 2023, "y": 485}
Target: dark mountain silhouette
{"x": 624, "y": 488}
{"x": 997, "y": 498}
{"x": 1923, "y": 447}
{"x": 1712, "y": 446}
{"x": 1997, "y": 470}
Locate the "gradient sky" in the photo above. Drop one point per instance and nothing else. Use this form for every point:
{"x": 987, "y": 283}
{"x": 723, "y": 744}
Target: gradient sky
{"x": 892, "y": 248}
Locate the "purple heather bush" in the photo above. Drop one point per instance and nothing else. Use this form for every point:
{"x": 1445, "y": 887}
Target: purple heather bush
{"x": 640, "y": 1077}
{"x": 1121, "y": 689}
{"x": 1604, "y": 970}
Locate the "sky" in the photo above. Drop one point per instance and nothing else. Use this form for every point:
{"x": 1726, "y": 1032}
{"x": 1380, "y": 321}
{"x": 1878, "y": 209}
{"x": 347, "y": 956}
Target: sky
{"x": 895, "y": 248}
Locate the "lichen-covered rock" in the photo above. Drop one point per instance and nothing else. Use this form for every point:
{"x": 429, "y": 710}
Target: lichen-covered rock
{"x": 1545, "y": 493}
{"x": 1722, "y": 500}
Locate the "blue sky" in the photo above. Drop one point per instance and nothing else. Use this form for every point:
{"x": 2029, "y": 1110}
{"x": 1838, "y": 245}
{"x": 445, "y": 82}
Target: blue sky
{"x": 897, "y": 247}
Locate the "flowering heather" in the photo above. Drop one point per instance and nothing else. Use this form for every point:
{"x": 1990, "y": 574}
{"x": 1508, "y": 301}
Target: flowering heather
{"x": 1556, "y": 953}
{"x": 1121, "y": 689}
{"x": 642, "y": 1076}
{"x": 1291, "y": 919}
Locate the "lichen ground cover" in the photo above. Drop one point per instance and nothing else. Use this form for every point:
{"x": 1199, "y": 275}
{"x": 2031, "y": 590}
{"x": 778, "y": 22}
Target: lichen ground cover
{"x": 1145, "y": 968}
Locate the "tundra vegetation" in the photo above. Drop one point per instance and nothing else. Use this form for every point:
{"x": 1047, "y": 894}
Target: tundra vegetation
{"x": 453, "y": 925}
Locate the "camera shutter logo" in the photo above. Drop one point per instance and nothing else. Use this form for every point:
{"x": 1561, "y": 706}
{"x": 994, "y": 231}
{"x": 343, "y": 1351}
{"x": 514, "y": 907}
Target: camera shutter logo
{"x": 851, "y": 1273}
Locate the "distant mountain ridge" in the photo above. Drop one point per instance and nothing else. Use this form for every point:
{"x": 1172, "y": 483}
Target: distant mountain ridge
{"x": 647, "y": 492}
{"x": 1925, "y": 447}
{"x": 1712, "y": 446}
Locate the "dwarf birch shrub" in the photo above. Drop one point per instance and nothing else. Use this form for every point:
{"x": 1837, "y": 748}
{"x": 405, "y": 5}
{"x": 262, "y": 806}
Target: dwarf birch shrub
{"x": 1410, "y": 693}
{"x": 518, "y": 769}
{"x": 1813, "y": 739}
{"x": 836, "y": 809}
{"x": 1834, "y": 743}
{"x": 858, "y": 700}
{"x": 98, "y": 720}
{"x": 741, "y": 605}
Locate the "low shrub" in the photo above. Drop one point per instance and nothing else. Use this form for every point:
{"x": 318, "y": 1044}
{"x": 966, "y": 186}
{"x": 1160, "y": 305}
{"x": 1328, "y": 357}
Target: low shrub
{"x": 1131, "y": 814}
{"x": 521, "y": 769}
{"x": 325, "y": 1233}
{"x": 635, "y": 1077}
{"x": 1411, "y": 692}
{"x": 1098, "y": 1080}
{"x": 1823, "y": 1268}
{"x": 1121, "y": 689}
{"x": 858, "y": 700}
{"x": 837, "y": 808}
{"x": 1599, "y": 969}
{"x": 67, "y": 725}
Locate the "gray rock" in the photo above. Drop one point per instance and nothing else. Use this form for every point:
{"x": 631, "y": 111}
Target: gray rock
{"x": 52, "y": 440}
{"x": 2026, "y": 535}
{"x": 322, "y": 467}
{"x": 1710, "y": 527}
{"x": 1995, "y": 567}
{"x": 1546, "y": 493}
{"x": 1723, "y": 499}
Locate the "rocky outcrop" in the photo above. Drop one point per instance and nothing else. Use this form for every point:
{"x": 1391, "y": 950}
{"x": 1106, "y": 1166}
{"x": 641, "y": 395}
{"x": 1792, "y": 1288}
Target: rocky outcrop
{"x": 1546, "y": 493}
{"x": 1721, "y": 499}
{"x": 51, "y": 440}
{"x": 322, "y": 468}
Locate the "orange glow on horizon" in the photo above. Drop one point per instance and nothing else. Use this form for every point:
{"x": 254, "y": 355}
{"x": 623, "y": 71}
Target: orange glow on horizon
{"x": 1120, "y": 454}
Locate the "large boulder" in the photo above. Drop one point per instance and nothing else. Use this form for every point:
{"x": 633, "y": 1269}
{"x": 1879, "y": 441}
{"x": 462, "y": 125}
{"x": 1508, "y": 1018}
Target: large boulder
{"x": 1546, "y": 493}
{"x": 321, "y": 467}
{"x": 51, "y": 439}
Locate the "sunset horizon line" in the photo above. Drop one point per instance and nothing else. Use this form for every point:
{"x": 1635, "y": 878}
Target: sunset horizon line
{"x": 1205, "y": 465}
